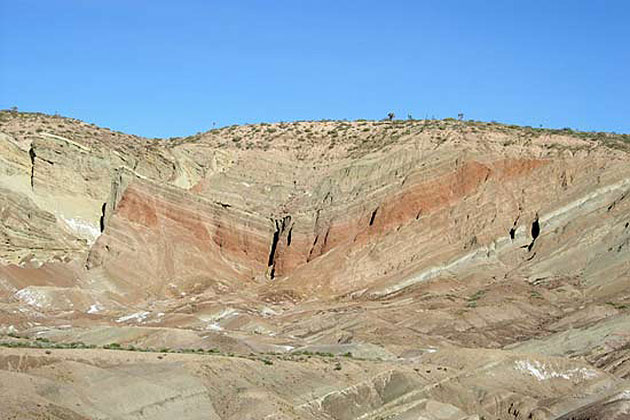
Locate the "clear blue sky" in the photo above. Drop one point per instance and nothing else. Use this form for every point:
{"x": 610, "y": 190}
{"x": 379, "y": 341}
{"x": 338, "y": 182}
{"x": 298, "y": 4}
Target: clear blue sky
{"x": 167, "y": 68}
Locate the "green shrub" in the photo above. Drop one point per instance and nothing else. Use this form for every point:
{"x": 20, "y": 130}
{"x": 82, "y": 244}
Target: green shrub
{"x": 112, "y": 346}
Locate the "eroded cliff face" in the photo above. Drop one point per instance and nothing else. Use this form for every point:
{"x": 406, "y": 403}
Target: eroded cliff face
{"x": 406, "y": 241}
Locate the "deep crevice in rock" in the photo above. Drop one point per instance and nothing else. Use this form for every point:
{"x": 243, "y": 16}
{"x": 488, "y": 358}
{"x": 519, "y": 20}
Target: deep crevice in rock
{"x": 102, "y": 219}
{"x": 272, "y": 251}
{"x": 31, "y": 153}
{"x": 281, "y": 226}
{"x": 535, "y": 232}
{"x": 310, "y": 253}
{"x": 373, "y": 216}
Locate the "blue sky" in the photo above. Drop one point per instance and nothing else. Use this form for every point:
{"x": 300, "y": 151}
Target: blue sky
{"x": 169, "y": 68}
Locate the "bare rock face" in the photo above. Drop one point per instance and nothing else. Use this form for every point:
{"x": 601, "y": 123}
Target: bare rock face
{"x": 416, "y": 269}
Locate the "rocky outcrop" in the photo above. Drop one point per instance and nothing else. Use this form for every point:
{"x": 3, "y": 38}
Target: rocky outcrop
{"x": 394, "y": 240}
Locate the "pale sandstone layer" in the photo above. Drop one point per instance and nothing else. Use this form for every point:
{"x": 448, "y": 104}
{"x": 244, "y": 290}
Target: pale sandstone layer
{"x": 405, "y": 241}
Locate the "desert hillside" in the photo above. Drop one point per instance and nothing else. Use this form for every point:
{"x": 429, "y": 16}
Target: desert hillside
{"x": 416, "y": 269}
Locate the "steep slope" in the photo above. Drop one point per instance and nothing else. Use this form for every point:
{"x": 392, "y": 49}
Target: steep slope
{"x": 411, "y": 242}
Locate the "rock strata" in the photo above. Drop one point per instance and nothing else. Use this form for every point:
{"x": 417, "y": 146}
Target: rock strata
{"x": 366, "y": 269}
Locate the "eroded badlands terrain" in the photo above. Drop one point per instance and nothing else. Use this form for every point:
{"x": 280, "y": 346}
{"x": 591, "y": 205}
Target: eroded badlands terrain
{"x": 314, "y": 270}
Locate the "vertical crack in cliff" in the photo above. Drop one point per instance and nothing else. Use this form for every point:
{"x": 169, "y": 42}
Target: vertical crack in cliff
{"x": 373, "y": 216}
{"x": 31, "y": 153}
{"x": 102, "y": 219}
{"x": 310, "y": 253}
{"x": 281, "y": 227}
{"x": 535, "y": 232}
{"x": 272, "y": 251}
